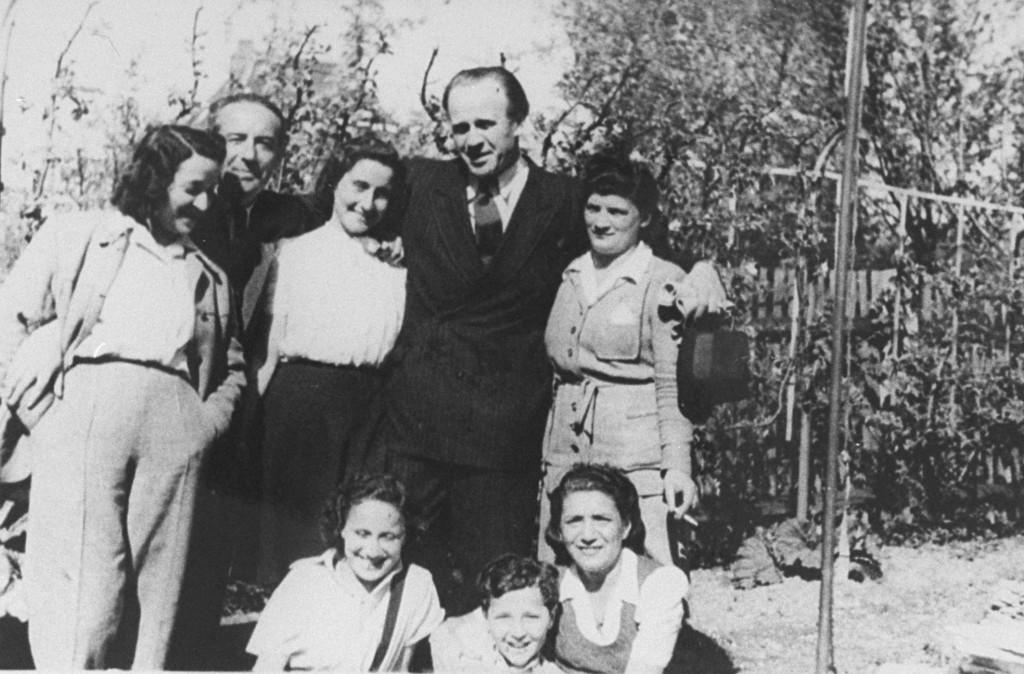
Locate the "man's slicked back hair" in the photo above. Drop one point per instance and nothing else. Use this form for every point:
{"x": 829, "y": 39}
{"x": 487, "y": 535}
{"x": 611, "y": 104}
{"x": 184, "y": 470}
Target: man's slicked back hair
{"x": 256, "y": 99}
{"x": 518, "y": 105}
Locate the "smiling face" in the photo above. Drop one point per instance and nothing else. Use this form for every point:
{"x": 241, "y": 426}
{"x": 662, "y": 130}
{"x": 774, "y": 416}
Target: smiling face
{"x": 252, "y": 134}
{"x": 362, "y": 196}
{"x": 593, "y": 531}
{"x": 189, "y": 197}
{"x": 484, "y": 136}
{"x": 518, "y": 621}
{"x": 374, "y": 533}
{"x": 613, "y": 225}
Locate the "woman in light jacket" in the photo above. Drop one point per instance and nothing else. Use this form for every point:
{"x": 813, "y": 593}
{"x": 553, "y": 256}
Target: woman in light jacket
{"x": 132, "y": 334}
{"x": 610, "y": 338}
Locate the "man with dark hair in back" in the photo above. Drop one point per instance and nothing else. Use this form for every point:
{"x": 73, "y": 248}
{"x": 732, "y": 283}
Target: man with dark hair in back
{"x": 254, "y": 218}
{"x": 242, "y": 239}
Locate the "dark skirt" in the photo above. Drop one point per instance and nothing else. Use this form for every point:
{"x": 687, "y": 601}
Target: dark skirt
{"x": 318, "y": 423}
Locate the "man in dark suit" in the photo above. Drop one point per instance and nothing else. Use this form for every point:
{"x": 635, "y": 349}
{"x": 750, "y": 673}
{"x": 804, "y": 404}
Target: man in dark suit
{"x": 486, "y": 238}
{"x": 253, "y": 219}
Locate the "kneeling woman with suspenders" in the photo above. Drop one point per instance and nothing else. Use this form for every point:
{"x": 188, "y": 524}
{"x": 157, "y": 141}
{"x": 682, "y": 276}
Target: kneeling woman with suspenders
{"x": 355, "y": 608}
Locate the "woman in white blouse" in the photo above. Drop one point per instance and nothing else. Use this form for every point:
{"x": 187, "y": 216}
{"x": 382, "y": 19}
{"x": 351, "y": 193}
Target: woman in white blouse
{"x": 334, "y": 316}
{"x": 621, "y": 611}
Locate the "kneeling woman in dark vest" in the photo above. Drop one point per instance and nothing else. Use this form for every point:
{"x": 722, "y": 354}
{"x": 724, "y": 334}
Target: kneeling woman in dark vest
{"x": 621, "y": 611}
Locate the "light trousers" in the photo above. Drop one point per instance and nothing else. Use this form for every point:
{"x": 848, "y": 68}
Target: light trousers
{"x": 115, "y": 468}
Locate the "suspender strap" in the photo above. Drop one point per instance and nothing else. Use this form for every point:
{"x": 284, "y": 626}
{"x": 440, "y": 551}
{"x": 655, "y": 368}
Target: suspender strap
{"x": 397, "y": 585}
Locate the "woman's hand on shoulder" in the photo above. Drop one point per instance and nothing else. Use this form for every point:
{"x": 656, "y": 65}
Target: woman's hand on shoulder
{"x": 391, "y": 252}
{"x": 701, "y": 292}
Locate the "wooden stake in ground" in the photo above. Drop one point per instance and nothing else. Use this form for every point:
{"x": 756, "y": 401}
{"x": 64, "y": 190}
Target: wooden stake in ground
{"x": 855, "y": 69}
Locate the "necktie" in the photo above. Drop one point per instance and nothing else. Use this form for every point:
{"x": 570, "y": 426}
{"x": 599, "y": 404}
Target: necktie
{"x": 488, "y": 219}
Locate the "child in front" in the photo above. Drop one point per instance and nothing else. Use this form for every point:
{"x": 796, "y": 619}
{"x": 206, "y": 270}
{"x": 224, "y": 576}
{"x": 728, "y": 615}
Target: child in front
{"x": 355, "y": 607}
{"x": 518, "y": 608}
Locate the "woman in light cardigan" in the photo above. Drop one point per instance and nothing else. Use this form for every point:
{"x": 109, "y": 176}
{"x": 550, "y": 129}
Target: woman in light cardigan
{"x": 334, "y": 316}
{"x": 612, "y": 345}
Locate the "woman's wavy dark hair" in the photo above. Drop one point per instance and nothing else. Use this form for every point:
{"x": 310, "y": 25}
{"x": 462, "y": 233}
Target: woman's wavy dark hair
{"x": 143, "y": 186}
{"x": 341, "y": 161}
{"x": 611, "y": 171}
{"x": 381, "y": 487}
{"x": 609, "y": 481}
{"x": 510, "y": 572}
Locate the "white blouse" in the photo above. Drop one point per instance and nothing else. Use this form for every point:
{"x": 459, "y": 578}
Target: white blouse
{"x": 333, "y": 301}
{"x": 323, "y": 618}
{"x": 149, "y": 312}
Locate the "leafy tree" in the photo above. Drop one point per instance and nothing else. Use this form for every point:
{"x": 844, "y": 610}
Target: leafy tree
{"x": 325, "y": 85}
{"x": 716, "y": 96}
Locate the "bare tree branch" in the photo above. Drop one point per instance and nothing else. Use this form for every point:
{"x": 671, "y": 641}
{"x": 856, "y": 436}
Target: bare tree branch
{"x": 549, "y": 139}
{"x": 190, "y": 104}
{"x": 71, "y": 40}
{"x": 293, "y": 109}
{"x": 365, "y": 80}
{"x": 632, "y": 71}
{"x": 296, "y": 63}
{"x": 3, "y": 85}
{"x": 59, "y": 90}
{"x": 8, "y": 12}
{"x": 430, "y": 109}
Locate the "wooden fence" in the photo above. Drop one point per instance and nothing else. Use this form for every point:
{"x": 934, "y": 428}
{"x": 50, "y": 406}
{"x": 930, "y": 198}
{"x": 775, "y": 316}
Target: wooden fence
{"x": 771, "y": 307}
{"x": 789, "y": 298}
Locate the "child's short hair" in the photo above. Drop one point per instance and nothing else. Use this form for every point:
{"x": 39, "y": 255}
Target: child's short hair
{"x": 383, "y": 487}
{"x": 509, "y": 573}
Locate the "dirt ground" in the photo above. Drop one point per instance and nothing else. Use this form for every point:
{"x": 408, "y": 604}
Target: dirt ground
{"x": 898, "y": 619}
{"x": 773, "y": 629}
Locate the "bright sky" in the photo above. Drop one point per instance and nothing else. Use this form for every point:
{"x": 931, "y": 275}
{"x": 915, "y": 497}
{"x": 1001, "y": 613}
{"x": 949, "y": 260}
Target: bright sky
{"x": 155, "y": 34}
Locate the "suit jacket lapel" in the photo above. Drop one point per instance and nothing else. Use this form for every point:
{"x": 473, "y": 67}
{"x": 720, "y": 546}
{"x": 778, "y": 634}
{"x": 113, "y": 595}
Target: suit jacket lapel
{"x": 253, "y": 291}
{"x": 530, "y": 219}
{"x": 207, "y": 284}
{"x": 453, "y": 224}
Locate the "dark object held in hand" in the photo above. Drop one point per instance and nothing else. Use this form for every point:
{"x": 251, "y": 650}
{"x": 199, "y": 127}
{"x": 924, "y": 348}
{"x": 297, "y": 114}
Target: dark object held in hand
{"x": 713, "y": 368}
{"x": 681, "y": 540}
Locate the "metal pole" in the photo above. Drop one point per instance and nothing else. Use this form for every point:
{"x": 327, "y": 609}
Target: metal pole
{"x": 848, "y": 202}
